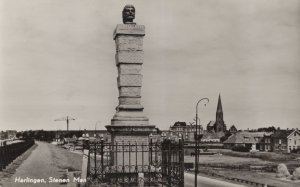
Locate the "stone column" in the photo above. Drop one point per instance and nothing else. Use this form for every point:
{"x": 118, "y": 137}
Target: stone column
{"x": 129, "y": 125}
{"x": 129, "y": 60}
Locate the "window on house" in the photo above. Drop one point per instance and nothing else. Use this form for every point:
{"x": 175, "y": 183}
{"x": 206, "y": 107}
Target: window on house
{"x": 279, "y": 141}
{"x": 295, "y": 142}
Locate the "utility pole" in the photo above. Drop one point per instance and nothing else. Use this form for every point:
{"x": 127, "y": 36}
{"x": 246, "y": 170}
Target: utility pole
{"x": 67, "y": 119}
{"x": 95, "y": 133}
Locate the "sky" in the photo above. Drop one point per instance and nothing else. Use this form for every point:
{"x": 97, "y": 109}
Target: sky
{"x": 57, "y": 59}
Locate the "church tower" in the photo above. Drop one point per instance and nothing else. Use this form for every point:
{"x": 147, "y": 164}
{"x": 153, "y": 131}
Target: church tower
{"x": 219, "y": 125}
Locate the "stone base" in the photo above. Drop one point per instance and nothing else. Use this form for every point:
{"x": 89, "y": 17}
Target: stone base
{"x": 130, "y": 130}
{"x": 131, "y": 144}
{"x": 130, "y": 118}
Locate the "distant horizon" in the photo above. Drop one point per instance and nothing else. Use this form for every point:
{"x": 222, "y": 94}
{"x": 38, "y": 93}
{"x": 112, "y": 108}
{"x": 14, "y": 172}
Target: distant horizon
{"x": 57, "y": 58}
{"x": 159, "y": 129}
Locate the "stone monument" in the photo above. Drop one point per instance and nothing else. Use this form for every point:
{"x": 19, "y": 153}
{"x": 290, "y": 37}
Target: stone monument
{"x": 129, "y": 125}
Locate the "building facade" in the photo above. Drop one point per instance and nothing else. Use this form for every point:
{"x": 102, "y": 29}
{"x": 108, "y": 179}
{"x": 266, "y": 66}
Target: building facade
{"x": 265, "y": 144}
{"x": 285, "y": 140}
{"x": 186, "y": 131}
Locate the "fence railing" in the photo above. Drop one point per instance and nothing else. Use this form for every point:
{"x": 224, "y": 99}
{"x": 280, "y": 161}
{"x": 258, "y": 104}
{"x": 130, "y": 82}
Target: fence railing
{"x": 122, "y": 163}
{"x": 10, "y": 152}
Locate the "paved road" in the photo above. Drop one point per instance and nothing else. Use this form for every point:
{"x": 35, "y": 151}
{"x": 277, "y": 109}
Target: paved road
{"x": 51, "y": 161}
{"x": 45, "y": 161}
{"x": 206, "y": 182}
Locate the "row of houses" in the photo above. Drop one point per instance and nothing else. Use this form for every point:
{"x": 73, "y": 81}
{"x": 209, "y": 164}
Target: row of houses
{"x": 284, "y": 140}
{"x": 279, "y": 141}
{"x": 8, "y": 134}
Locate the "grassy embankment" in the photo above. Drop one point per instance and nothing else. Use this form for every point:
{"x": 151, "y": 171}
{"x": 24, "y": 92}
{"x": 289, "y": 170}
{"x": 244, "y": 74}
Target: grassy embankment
{"x": 230, "y": 160}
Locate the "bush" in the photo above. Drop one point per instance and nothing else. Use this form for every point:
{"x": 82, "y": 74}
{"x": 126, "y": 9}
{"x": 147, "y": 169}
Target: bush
{"x": 282, "y": 171}
{"x": 240, "y": 148}
{"x": 296, "y": 174}
{"x": 295, "y": 151}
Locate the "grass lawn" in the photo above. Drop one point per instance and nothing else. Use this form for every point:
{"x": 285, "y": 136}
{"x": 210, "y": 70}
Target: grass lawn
{"x": 268, "y": 156}
{"x": 230, "y": 158}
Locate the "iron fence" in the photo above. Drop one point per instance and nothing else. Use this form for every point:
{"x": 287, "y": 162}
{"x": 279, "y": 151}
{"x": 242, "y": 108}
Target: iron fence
{"x": 160, "y": 163}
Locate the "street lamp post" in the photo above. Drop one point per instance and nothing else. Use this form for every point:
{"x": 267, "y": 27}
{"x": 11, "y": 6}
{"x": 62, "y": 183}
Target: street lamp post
{"x": 197, "y": 138}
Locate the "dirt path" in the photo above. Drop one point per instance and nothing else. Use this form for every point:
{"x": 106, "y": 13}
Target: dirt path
{"x": 45, "y": 161}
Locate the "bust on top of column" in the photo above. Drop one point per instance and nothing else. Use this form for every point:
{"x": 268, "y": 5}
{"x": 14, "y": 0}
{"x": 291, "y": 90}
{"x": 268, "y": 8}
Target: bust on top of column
{"x": 128, "y": 14}
{"x": 129, "y": 27}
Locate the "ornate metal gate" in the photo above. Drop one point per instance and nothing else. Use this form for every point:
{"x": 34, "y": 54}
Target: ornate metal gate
{"x": 160, "y": 163}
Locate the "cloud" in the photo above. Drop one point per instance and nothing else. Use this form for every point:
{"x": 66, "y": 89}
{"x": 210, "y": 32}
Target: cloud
{"x": 57, "y": 58}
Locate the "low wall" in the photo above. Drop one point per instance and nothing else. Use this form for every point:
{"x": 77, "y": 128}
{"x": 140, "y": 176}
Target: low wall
{"x": 10, "y": 152}
{"x": 236, "y": 180}
{"x": 239, "y": 167}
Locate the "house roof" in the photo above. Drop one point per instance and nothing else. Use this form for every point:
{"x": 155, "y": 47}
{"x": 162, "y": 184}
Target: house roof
{"x": 220, "y": 134}
{"x": 210, "y": 136}
{"x": 211, "y": 123}
{"x": 213, "y": 135}
{"x": 179, "y": 124}
{"x": 282, "y": 133}
{"x": 245, "y": 137}
{"x": 233, "y": 127}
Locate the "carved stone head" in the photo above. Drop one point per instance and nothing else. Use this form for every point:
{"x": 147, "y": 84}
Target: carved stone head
{"x": 128, "y": 14}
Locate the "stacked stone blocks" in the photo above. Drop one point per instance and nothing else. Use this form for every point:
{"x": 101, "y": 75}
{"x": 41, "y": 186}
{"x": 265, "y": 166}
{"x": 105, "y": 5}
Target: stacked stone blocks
{"x": 129, "y": 60}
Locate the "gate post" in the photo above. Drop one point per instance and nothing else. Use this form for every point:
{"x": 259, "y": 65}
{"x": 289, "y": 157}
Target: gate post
{"x": 141, "y": 180}
{"x": 85, "y": 163}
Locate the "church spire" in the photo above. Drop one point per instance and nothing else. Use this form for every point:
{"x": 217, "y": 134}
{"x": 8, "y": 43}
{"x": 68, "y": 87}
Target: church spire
{"x": 219, "y": 108}
{"x": 219, "y": 124}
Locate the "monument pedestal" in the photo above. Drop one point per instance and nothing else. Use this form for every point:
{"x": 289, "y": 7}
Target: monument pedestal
{"x": 130, "y": 144}
{"x": 129, "y": 126}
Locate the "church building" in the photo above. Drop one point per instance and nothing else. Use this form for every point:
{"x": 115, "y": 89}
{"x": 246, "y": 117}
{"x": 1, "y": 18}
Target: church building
{"x": 218, "y": 125}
